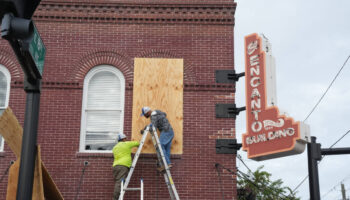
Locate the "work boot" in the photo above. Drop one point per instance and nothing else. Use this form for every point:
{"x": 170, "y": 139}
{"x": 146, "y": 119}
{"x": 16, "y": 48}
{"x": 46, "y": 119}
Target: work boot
{"x": 161, "y": 168}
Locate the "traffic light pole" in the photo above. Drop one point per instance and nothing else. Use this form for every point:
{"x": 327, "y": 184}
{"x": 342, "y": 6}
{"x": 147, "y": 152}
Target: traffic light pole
{"x": 314, "y": 153}
{"x": 29, "y": 141}
{"x": 32, "y": 87}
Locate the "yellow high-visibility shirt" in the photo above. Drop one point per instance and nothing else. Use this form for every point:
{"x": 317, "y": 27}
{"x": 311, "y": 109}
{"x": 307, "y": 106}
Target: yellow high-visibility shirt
{"x": 122, "y": 153}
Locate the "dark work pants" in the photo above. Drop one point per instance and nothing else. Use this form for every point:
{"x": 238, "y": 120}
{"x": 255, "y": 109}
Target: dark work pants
{"x": 165, "y": 139}
{"x": 120, "y": 172}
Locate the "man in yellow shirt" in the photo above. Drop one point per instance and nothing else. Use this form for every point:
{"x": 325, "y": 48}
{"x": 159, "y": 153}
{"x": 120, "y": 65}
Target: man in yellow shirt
{"x": 122, "y": 161}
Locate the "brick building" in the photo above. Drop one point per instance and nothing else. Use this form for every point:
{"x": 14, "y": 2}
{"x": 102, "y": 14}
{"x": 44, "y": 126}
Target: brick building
{"x": 83, "y": 38}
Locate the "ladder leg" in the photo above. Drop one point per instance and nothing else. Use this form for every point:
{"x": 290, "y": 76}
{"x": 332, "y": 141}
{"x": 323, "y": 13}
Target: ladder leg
{"x": 132, "y": 168}
{"x": 161, "y": 159}
{"x": 121, "y": 195}
{"x": 141, "y": 189}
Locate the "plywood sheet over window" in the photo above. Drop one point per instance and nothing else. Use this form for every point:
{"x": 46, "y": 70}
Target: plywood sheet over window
{"x": 158, "y": 83}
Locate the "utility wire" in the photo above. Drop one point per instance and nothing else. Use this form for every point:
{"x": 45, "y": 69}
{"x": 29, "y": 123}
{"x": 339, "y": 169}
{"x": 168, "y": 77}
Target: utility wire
{"x": 330, "y": 85}
{"x": 81, "y": 179}
{"x": 240, "y": 158}
{"x": 220, "y": 179}
{"x": 339, "y": 139}
{"x": 313, "y": 109}
{"x": 334, "y": 187}
{"x": 242, "y": 175}
{"x": 306, "y": 177}
{"x": 246, "y": 177}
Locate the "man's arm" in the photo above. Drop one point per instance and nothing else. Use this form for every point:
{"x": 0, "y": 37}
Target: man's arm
{"x": 132, "y": 144}
{"x": 154, "y": 120}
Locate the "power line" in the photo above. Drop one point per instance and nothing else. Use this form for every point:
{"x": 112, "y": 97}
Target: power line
{"x": 245, "y": 176}
{"x": 313, "y": 109}
{"x": 334, "y": 187}
{"x": 330, "y": 85}
{"x": 339, "y": 139}
{"x": 307, "y": 176}
{"x": 240, "y": 158}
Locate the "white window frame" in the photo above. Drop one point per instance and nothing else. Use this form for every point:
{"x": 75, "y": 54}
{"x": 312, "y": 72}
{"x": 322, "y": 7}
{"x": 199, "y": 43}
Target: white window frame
{"x": 87, "y": 79}
{"x": 7, "y": 74}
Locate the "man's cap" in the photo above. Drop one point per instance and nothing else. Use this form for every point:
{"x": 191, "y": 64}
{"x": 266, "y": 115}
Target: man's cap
{"x": 120, "y": 136}
{"x": 144, "y": 110}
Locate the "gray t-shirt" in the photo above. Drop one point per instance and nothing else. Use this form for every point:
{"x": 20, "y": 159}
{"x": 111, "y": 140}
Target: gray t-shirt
{"x": 159, "y": 120}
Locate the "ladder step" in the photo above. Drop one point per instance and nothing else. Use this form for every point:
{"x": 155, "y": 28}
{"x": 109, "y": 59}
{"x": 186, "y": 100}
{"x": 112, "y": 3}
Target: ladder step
{"x": 132, "y": 189}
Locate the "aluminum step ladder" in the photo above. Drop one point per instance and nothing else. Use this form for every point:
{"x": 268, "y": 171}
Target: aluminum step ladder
{"x": 161, "y": 162}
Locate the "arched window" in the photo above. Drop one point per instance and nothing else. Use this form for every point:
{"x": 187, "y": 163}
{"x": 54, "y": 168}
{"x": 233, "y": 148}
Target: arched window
{"x": 5, "y": 80}
{"x": 102, "y": 109}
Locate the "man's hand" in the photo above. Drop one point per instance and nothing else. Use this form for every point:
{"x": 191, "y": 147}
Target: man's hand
{"x": 143, "y": 130}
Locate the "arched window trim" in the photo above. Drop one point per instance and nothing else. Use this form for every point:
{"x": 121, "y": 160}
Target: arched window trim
{"x": 87, "y": 79}
{"x": 7, "y": 74}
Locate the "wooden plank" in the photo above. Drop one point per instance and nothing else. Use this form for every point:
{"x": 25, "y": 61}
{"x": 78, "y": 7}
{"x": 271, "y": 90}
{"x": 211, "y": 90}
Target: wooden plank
{"x": 38, "y": 189}
{"x": 12, "y": 181}
{"x": 50, "y": 189}
{"x": 158, "y": 83}
{"x": 12, "y": 132}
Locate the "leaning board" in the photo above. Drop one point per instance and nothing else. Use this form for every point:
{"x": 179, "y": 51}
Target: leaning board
{"x": 158, "y": 83}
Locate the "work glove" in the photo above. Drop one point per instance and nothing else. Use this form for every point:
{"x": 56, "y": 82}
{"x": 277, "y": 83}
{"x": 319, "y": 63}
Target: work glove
{"x": 143, "y": 130}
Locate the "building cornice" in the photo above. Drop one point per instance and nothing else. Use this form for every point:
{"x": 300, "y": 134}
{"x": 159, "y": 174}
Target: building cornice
{"x": 220, "y": 14}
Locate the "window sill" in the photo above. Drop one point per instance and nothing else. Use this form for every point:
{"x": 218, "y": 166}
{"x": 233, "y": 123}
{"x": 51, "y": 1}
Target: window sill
{"x": 110, "y": 155}
{"x": 154, "y": 155}
{"x": 93, "y": 155}
{"x": 2, "y": 154}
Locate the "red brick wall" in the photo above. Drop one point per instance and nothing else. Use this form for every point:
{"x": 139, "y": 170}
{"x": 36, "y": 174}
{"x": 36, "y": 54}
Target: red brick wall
{"x": 79, "y": 37}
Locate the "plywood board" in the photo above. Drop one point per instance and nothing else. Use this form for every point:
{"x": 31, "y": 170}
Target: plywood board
{"x": 158, "y": 83}
{"x": 12, "y": 181}
{"x": 50, "y": 189}
{"x": 12, "y": 132}
{"x": 38, "y": 190}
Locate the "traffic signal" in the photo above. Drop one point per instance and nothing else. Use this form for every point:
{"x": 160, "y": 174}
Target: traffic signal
{"x": 21, "y": 35}
{"x": 14, "y": 27}
{"x": 20, "y": 8}
{"x": 18, "y": 28}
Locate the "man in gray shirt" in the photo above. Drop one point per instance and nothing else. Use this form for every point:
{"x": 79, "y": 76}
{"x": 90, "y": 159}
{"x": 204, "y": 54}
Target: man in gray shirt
{"x": 160, "y": 122}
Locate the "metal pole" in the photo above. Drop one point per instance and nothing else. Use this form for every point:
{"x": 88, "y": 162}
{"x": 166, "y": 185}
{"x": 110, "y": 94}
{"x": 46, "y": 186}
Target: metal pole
{"x": 141, "y": 189}
{"x": 313, "y": 154}
{"x": 28, "y": 152}
{"x": 32, "y": 86}
{"x": 343, "y": 191}
{"x": 335, "y": 151}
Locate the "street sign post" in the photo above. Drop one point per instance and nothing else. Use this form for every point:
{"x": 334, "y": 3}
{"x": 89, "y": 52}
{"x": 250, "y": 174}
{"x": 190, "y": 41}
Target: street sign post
{"x": 18, "y": 29}
{"x": 37, "y": 50}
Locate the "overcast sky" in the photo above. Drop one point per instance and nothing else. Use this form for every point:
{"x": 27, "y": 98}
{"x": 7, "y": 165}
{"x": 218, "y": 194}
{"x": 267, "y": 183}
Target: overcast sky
{"x": 310, "y": 42}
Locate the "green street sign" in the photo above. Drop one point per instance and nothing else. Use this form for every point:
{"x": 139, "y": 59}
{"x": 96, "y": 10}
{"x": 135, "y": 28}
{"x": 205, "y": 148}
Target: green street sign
{"x": 37, "y": 50}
